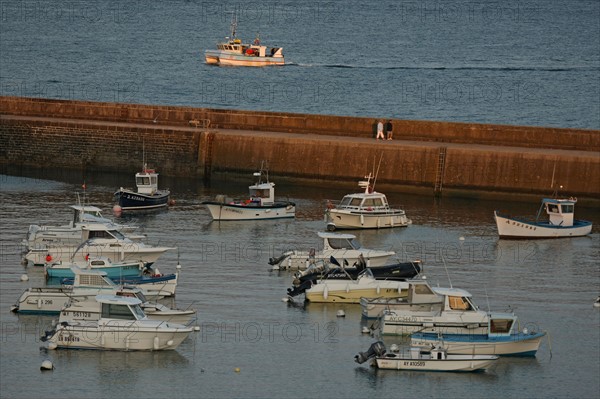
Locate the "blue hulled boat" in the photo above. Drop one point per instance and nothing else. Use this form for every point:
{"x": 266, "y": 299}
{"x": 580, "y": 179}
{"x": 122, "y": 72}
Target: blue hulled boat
{"x": 147, "y": 196}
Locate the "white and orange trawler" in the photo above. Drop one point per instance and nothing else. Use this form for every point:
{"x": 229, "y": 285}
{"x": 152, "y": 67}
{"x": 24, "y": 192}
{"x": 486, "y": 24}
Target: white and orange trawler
{"x": 233, "y": 52}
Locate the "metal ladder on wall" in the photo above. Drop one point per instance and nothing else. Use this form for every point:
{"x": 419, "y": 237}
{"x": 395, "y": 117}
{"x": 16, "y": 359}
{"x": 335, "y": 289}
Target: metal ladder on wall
{"x": 439, "y": 178}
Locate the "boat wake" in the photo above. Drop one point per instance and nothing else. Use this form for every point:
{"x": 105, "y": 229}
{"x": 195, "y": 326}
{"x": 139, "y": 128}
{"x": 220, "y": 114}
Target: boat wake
{"x": 451, "y": 68}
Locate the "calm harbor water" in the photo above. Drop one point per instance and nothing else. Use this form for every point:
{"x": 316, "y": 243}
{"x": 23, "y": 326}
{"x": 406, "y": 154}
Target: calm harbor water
{"x": 296, "y": 350}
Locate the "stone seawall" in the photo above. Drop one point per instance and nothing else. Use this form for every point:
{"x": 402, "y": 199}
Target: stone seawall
{"x": 183, "y": 141}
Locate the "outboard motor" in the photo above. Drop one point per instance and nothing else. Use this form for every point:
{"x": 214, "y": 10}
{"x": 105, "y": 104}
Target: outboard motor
{"x": 279, "y": 259}
{"x": 376, "y": 349}
{"x": 47, "y": 335}
{"x": 297, "y": 290}
{"x": 361, "y": 264}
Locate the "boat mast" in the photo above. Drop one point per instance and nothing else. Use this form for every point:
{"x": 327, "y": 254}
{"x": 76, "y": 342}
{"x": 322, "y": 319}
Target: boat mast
{"x": 233, "y": 25}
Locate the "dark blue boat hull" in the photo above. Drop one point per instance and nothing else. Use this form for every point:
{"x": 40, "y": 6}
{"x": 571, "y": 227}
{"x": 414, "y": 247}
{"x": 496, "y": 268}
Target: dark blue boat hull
{"x": 129, "y": 200}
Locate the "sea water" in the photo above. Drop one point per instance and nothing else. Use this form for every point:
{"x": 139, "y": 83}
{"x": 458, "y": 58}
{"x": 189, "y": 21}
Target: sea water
{"x": 253, "y": 344}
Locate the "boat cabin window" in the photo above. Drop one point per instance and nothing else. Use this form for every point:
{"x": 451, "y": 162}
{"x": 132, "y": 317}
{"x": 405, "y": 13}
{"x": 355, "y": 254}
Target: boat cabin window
{"x": 99, "y": 234}
{"x": 355, "y": 202}
{"x": 339, "y": 243}
{"x": 374, "y": 202}
{"x": 567, "y": 208}
{"x": 93, "y": 280}
{"x": 113, "y": 311}
{"x": 345, "y": 201}
{"x": 106, "y": 234}
{"x": 153, "y": 180}
{"x": 132, "y": 294}
{"x": 552, "y": 208}
{"x": 260, "y": 193}
{"x": 423, "y": 289}
{"x": 501, "y": 326}
{"x": 142, "y": 181}
{"x": 459, "y": 303}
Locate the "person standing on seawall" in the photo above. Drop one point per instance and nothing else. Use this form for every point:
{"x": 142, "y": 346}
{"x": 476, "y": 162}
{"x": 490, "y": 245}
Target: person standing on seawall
{"x": 388, "y": 129}
{"x": 380, "y": 131}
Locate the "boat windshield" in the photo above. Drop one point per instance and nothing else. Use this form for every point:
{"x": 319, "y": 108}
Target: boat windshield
{"x": 459, "y": 303}
{"x": 141, "y": 297}
{"x": 137, "y": 311}
{"x": 373, "y": 202}
{"x": 106, "y": 234}
{"x": 349, "y": 200}
{"x": 567, "y": 208}
{"x": 143, "y": 181}
{"x": 114, "y": 311}
{"x": 342, "y": 243}
{"x": 117, "y": 234}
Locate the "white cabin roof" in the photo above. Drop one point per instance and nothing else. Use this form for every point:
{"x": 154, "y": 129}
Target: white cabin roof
{"x": 328, "y": 235}
{"x": 451, "y": 291}
{"x": 568, "y": 201}
{"x": 118, "y": 300}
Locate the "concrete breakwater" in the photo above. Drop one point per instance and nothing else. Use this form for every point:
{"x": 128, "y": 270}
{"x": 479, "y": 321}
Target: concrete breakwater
{"x": 436, "y": 157}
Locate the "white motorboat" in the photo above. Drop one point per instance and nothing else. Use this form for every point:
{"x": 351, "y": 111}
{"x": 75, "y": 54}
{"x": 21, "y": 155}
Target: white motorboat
{"x": 502, "y": 338}
{"x": 345, "y": 248}
{"x": 86, "y": 285}
{"x": 421, "y": 298}
{"x": 366, "y": 210}
{"x": 98, "y": 239}
{"x": 115, "y": 323}
{"x": 233, "y": 52}
{"x": 458, "y": 315}
{"x": 146, "y": 197}
{"x": 423, "y": 359}
{"x": 561, "y": 222}
{"x": 39, "y": 237}
{"x": 260, "y": 205}
{"x": 350, "y": 290}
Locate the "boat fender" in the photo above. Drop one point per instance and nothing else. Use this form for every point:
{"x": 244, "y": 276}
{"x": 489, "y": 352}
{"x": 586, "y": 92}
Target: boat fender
{"x": 325, "y": 293}
{"x": 48, "y": 258}
{"x": 378, "y": 289}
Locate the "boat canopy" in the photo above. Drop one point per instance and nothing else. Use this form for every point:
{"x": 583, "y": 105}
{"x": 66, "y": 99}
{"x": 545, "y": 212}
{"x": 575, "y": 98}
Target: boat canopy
{"x": 339, "y": 241}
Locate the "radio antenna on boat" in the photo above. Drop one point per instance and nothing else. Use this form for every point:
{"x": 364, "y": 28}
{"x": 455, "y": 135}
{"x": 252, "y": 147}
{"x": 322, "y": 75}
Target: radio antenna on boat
{"x": 377, "y": 171}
